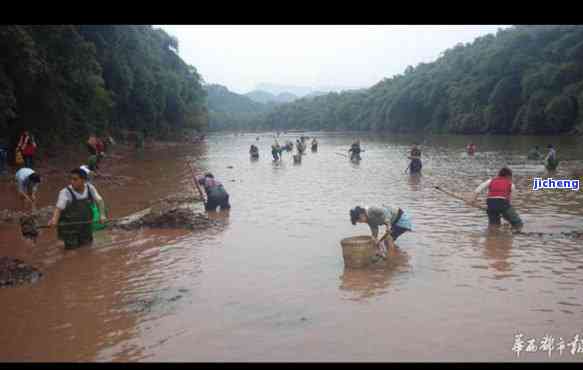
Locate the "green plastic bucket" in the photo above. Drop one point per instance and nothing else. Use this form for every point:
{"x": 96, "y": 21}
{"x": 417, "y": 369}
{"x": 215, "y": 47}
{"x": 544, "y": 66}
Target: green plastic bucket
{"x": 96, "y": 225}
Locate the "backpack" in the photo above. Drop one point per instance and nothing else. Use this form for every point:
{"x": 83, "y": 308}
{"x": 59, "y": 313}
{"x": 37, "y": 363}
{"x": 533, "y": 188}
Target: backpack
{"x": 18, "y": 159}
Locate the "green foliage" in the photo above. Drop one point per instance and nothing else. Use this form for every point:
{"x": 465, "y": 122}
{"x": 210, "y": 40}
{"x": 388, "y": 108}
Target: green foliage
{"x": 64, "y": 81}
{"x": 231, "y": 111}
{"x": 525, "y": 79}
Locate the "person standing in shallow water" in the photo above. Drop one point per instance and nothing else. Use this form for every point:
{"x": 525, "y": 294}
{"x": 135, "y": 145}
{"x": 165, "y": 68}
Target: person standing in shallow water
{"x": 500, "y": 190}
{"x": 254, "y": 151}
{"x": 415, "y": 156}
{"x": 551, "y": 161}
{"x": 395, "y": 219}
{"x": 355, "y": 150}
{"x": 74, "y": 205}
{"x": 216, "y": 194}
{"x": 27, "y": 147}
{"x": 276, "y": 150}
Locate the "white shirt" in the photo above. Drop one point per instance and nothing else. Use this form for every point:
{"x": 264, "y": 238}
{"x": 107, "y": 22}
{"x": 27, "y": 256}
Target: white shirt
{"x": 65, "y": 196}
{"x": 22, "y": 177}
{"x": 485, "y": 185}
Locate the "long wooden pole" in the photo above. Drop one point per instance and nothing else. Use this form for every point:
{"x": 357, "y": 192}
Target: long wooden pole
{"x": 83, "y": 222}
{"x": 460, "y": 198}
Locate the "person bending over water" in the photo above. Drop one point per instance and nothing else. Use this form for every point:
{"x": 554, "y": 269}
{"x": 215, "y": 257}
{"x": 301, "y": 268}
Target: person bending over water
{"x": 500, "y": 190}
{"x": 27, "y": 182}
{"x": 395, "y": 219}
{"x": 216, "y": 194}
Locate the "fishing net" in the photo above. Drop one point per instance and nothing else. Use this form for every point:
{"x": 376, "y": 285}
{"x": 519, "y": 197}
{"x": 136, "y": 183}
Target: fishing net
{"x": 15, "y": 272}
{"x": 28, "y": 227}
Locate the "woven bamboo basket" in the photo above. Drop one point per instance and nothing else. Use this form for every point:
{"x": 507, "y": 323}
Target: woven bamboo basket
{"x": 358, "y": 251}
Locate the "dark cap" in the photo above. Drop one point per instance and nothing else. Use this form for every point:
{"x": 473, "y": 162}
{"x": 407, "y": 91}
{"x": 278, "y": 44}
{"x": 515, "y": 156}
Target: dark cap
{"x": 355, "y": 214}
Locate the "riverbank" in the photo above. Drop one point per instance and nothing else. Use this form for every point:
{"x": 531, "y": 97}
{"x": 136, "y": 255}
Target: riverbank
{"x": 129, "y": 180}
{"x": 113, "y": 171}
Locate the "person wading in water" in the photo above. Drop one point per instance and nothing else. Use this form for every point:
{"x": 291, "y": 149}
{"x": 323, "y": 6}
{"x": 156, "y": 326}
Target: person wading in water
{"x": 314, "y": 145}
{"x": 75, "y": 205}
{"x": 355, "y": 150}
{"x": 27, "y": 147}
{"x": 415, "y": 156}
{"x": 254, "y": 151}
{"x": 276, "y": 151}
{"x": 551, "y": 161}
{"x": 500, "y": 189}
{"x": 396, "y": 220}
{"x": 27, "y": 182}
{"x": 216, "y": 194}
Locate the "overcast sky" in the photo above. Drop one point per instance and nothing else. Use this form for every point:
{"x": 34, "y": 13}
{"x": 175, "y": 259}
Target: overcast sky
{"x": 240, "y": 57}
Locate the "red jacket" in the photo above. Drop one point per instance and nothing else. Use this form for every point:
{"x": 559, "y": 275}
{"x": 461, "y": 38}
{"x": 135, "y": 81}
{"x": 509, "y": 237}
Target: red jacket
{"x": 27, "y": 145}
{"x": 500, "y": 187}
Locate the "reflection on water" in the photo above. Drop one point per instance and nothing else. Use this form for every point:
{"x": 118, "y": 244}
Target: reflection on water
{"x": 366, "y": 283}
{"x": 414, "y": 181}
{"x": 268, "y": 283}
{"x": 497, "y": 247}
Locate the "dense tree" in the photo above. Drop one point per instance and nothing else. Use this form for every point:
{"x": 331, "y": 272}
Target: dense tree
{"x": 62, "y": 82}
{"x": 524, "y": 79}
{"x": 231, "y": 111}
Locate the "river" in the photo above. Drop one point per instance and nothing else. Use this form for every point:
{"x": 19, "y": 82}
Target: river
{"x": 270, "y": 284}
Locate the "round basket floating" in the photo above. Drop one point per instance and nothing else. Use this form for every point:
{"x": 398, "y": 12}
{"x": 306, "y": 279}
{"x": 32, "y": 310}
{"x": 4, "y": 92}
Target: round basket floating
{"x": 358, "y": 251}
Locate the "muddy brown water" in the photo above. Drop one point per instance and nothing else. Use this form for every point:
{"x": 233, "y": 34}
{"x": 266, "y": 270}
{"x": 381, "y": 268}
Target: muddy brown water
{"x": 270, "y": 283}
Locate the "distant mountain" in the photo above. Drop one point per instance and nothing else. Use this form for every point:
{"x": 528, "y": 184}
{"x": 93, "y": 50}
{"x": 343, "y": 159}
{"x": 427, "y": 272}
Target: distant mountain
{"x": 231, "y": 111}
{"x": 301, "y": 91}
{"x": 339, "y": 88}
{"x": 265, "y": 97}
{"x": 221, "y": 99}
{"x": 285, "y": 97}
{"x": 316, "y": 93}
{"x": 260, "y": 96}
{"x": 276, "y": 89}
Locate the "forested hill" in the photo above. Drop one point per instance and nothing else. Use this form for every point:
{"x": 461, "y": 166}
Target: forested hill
{"x": 231, "y": 111}
{"x": 524, "y": 79}
{"x": 62, "y": 82}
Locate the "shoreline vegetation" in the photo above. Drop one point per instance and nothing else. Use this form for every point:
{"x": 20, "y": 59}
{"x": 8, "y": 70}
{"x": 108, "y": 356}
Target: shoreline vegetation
{"x": 65, "y": 82}
{"x": 524, "y": 80}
